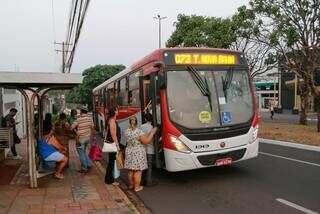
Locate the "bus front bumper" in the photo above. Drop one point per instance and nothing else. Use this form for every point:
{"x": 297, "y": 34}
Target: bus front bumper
{"x": 178, "y": 161}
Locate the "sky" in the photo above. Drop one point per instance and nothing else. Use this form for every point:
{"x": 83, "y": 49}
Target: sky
{"x": 114, "y": 32}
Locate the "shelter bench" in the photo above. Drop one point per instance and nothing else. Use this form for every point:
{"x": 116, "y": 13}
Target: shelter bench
{"x": 6, "y": 140}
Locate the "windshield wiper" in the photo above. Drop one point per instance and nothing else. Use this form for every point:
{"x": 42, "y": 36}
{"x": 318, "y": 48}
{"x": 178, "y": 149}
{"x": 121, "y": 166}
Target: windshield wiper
{"x": 226, "y": 83}
{"x": 201, "y": 84}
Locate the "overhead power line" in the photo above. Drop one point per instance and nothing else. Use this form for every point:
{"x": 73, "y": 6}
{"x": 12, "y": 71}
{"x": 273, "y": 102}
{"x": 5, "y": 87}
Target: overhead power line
{"x": 78, "y": 11}
{"x": 77, "y": 15}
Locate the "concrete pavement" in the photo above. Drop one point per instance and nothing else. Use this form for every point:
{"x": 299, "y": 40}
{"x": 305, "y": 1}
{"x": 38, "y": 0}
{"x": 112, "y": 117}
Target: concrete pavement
{"x": 77, "y": 193}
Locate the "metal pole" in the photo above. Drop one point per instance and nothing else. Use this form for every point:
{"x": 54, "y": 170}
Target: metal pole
{"x": 1, "y": 102}
{"x": 295, "y": 92}
{"x": 279, "y": 90}
{"x": 63, "y": 64}
{"x": 34, "y": 183}
{"x": 159, "y": 18}
{"x": 274, "y": 90}
{"x": 29, "y": 139}
{"x": 159, "y": 32}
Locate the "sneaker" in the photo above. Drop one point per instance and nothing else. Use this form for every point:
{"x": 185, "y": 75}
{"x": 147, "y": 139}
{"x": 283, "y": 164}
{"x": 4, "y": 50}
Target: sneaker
{"x": 17, "y": 157}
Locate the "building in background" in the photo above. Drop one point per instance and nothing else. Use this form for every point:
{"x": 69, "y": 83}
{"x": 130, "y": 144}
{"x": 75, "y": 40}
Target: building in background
{"x": 11, "y": 98}
{"x": 287, "y": 98}
{"x": 267, "y": 91}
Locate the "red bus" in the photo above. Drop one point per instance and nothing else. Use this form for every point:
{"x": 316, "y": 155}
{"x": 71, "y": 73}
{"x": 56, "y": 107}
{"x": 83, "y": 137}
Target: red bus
{"x": 201, "y": 99}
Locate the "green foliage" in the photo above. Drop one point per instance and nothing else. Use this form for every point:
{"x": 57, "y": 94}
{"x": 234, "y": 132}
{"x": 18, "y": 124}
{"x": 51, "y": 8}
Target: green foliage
{"x": 201, "y": 31}
{"x": 92, "y": 77}
{"x": 292, "y": 28}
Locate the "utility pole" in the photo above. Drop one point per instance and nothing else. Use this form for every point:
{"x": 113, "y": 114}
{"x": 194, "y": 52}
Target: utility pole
{"x": 64, "y": 53}
{"x": 1, "y": 103}
{"x": 159, "y": 18}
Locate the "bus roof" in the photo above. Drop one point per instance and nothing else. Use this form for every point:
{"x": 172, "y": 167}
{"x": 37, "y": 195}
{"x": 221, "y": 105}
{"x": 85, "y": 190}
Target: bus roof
{"x": 157, "y": 56}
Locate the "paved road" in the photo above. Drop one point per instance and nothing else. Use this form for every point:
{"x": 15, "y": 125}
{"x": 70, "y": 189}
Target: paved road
{"x": 247, "y": 187}
{"x": 286, "y": 117}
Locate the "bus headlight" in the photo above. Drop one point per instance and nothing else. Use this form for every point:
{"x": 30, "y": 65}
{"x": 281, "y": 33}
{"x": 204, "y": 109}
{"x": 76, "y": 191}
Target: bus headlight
{"x": 254, "y": 134}
{"x": 179, "y": 145}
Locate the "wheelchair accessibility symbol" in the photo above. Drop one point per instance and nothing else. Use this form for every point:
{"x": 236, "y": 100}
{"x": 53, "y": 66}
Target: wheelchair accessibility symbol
{"x": 226, "y": 117}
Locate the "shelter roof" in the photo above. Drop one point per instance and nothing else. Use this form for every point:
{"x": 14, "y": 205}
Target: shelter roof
{"x": 39, "y": 79}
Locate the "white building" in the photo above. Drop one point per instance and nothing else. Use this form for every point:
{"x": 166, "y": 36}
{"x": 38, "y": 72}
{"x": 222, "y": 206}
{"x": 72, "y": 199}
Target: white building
{"x": 11, "y": 98}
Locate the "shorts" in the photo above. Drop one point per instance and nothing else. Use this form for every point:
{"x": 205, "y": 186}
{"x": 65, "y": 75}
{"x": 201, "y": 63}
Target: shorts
{"x": 56, "y": 156}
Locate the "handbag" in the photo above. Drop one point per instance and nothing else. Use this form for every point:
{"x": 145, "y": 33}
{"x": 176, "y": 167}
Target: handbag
{"x": 95, "y": 152}
{"x": 109, "y": 146}
{"x": 120, "y": 160}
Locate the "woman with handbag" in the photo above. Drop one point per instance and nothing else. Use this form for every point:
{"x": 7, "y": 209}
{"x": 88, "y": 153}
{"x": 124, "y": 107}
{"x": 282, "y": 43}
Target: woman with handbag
{"x": 113, "y": 135}
{"x": 136, "y": 157}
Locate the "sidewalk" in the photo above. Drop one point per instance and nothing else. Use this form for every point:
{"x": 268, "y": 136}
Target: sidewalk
{"x": 77, "y": 193}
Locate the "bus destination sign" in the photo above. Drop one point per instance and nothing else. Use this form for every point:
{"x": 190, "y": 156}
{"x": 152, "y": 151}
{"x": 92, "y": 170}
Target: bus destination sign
{"x": 204, "y": 59}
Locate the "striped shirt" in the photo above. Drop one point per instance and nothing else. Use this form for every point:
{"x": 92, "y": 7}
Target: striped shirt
{"x": 84, "y": 125}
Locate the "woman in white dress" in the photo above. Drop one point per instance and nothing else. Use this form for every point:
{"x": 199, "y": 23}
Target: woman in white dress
{"x": 136, "y": 158}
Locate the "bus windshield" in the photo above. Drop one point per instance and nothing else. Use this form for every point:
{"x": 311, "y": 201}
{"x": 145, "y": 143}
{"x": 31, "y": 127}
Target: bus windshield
{"x": 205, "y": 99}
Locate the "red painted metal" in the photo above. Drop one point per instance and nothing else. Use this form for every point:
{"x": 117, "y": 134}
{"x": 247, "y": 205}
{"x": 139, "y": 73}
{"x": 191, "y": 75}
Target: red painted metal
{"x": 168, "y": 127}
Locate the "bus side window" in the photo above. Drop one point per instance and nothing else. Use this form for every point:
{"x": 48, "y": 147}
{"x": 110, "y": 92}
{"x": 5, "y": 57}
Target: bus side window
{"x": 122, "y": 99}
{"x": 111, "y": 95}
{"x": 133, "y": 93}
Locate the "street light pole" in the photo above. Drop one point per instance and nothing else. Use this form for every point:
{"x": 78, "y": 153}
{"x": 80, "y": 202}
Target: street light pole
{"x": 159, "y": 18}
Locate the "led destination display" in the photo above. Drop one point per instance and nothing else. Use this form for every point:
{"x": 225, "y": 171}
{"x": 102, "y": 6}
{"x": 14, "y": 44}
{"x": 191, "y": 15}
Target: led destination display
{"x": 205, "y": 59}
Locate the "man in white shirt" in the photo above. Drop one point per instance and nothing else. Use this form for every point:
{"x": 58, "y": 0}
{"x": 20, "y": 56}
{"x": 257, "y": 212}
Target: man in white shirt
{"x": 146, "y": 128}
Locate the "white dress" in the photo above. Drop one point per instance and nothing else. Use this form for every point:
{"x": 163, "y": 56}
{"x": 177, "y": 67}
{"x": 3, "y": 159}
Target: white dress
{"x": 136, "y": 157}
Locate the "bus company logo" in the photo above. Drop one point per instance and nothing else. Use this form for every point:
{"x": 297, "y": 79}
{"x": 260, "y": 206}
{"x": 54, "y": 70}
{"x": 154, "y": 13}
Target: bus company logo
{"x": 202, "y": 146}
{"x": 222, "y": 144}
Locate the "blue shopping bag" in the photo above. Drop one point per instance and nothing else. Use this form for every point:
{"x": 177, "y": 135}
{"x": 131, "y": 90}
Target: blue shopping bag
{"x": 116, "y": 171}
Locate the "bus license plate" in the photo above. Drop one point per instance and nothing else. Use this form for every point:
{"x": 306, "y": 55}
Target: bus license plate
{"x": 224, "y": 161}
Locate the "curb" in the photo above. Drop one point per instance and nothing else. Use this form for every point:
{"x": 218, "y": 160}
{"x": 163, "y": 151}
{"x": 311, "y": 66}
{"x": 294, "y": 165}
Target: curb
{"x": 290, "y": 144}
{"x": 129, "y": 204}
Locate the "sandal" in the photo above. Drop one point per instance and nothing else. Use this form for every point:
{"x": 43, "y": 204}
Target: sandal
{"x": 115, "y": 183}
{"x": 137, "y": 189}
{"x": 58, "y": 176}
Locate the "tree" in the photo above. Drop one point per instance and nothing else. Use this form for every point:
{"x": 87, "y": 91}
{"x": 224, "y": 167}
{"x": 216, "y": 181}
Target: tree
{"x": 260, "y": 57}
{"x": 200, "y": 31}
{"x": 292, "y": 28}
{"x": 92, "y": 77}
{"x": 238, "y": 33}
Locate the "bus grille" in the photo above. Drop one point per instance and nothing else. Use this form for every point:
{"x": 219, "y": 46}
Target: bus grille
{"x": 213, "y": 135}
{"x": 208, "y": 160}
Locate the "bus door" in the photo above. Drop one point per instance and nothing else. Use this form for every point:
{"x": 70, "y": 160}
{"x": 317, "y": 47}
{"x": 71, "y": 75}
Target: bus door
{"x": 154, "y": 93}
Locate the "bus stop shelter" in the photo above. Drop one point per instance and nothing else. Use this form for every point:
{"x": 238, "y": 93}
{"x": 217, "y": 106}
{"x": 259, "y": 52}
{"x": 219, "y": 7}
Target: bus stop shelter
{"x": 33, "y": 86}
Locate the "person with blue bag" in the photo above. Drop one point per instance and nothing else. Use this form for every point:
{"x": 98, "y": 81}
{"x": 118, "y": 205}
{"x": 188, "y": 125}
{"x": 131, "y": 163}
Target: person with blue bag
{"x": 113, "y": 136}
{"x": 51, "y": 150}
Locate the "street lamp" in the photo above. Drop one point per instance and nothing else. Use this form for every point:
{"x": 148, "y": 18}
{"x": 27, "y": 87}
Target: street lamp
{"x": 159, "y": 18}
